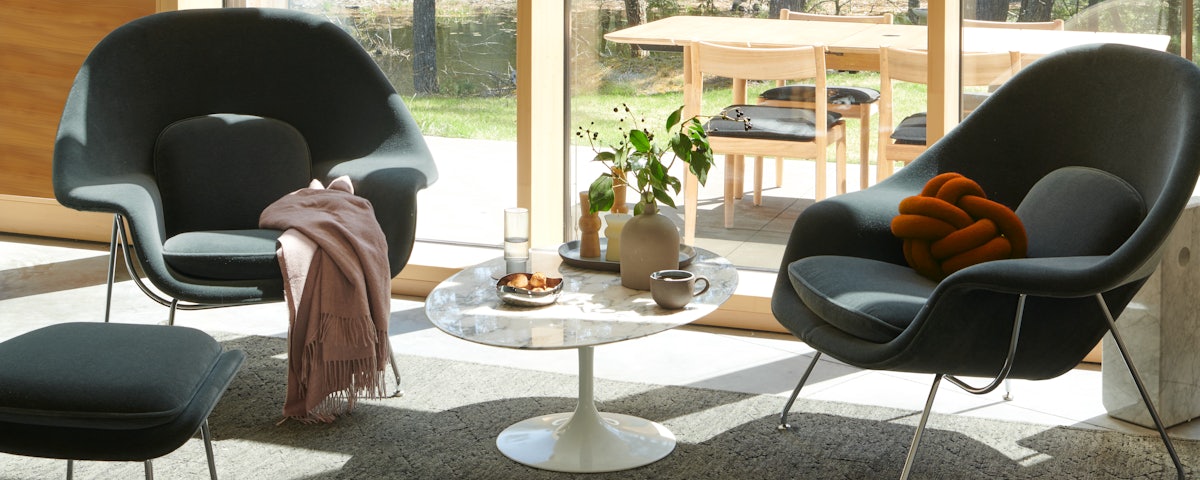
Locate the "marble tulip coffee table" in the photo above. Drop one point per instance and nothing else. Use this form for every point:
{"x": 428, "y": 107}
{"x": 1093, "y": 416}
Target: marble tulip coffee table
{"x": 593, "y": 309}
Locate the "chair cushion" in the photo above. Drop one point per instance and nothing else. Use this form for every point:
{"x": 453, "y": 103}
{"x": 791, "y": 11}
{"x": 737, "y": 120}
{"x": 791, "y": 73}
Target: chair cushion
{"x": 770, "y": 123}
{"x": 218, "y": 172}
{"x": 805, "y": 93}
{"x": 868, "y": 299}
{"x": 103, "y": 375}
{"x": 911, "y": 130}
{"x": 225, "y": 254}
{"x": 1076, "y": 211}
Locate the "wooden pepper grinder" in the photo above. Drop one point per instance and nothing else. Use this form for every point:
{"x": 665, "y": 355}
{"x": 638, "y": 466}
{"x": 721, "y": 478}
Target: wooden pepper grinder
{"x": 589, "y": 227}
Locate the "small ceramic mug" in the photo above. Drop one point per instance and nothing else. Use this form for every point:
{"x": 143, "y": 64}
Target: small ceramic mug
{"x": 674, "y": 289}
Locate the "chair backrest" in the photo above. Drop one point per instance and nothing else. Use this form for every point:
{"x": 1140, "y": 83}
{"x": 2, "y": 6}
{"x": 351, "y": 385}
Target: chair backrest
{"x": 167, "y": 67}
{"x": 885, "y": 19}
{"x": 978, "y": 70}
{"x": 1056, "y": 24}
{"x": 752, "y": 63}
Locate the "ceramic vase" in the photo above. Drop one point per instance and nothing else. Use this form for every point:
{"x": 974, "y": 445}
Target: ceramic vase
{"x": 612, "y": 232}
{"x": 589, "y": 229}
{"x": 649, "y": 243}
{"x": 619, "y": 188}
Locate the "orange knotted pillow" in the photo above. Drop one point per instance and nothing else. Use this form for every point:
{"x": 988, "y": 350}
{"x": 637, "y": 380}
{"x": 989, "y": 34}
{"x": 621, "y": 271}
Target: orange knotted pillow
{"x": 952, "y": 225}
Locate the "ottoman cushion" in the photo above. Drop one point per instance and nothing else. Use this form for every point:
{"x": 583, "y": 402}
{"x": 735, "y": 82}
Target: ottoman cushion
{"x": 103, "y": 375}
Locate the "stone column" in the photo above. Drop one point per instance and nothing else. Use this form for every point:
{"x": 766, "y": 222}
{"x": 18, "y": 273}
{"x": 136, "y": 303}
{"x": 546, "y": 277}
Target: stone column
{"x": 1161, "y": 329}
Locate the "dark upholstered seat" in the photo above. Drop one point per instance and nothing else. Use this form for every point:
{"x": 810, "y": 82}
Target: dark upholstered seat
{"x": 804, "y": 93}
{"x": 911, "y": 130}
{"x": 106, "y": 391}
{"x": 1097, "y": 201}
{"x": 769, "y": 123}
{"x": 186, "y": 124}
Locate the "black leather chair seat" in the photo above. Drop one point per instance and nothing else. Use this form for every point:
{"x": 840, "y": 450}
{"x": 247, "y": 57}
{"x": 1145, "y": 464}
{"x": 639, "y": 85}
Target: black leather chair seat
{"x": 837, "y": 95}
{"x": 770, "y": 123}
{"x": 911, "y": 130}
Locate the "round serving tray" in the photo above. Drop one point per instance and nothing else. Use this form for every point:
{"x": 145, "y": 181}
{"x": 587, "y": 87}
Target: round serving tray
{"x": 570, "y": 254}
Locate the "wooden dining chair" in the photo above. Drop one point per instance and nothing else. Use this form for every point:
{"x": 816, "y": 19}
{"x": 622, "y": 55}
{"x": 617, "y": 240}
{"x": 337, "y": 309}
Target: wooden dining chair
{"x": 885, "y": 19}
{"x": 775, "y": 131}
{"x": 858, "y": 103}
{"x": 903, "y": 142}
{"x": 1056, "y": 24}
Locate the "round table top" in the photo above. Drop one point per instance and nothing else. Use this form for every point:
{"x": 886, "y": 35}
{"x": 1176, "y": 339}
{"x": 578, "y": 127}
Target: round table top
{"x": 593, "y": 309}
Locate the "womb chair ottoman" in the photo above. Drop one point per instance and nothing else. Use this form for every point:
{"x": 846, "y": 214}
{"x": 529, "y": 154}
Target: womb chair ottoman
{"x": 1098, "y": 184}
{"x": 107, "y": 391}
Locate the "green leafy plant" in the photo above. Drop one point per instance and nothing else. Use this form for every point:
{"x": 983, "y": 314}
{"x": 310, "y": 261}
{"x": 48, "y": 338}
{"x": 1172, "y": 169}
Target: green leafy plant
{"x": 642, "y": 166}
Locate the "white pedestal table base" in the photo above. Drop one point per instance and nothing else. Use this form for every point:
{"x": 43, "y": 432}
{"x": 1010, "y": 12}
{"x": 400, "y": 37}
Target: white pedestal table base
{"x": 586, "y": 441}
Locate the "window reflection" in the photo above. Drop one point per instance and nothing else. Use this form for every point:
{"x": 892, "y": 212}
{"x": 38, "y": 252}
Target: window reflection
{"x": 453, "y": 63}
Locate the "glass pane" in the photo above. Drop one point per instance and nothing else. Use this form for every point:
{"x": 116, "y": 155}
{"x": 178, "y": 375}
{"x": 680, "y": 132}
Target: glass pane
{"x": 610, "y": 73}
{"x": 454, "y": 66}
{"x": 1037, "y": 28}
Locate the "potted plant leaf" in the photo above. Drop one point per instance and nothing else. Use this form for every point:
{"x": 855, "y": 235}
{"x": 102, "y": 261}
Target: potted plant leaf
{"x": 649, "y": 241}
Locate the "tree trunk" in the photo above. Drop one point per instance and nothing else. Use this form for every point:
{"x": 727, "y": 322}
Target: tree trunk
{"x": 913, "y": 5}
{"x": 1035, "y": 10}
{"x": 425, "y": 47}
{"x": 992, "y": 10}
{"x": 793, "y": 5}
{"x": 1174, "y": 12}
{"x": 635, "y": 14}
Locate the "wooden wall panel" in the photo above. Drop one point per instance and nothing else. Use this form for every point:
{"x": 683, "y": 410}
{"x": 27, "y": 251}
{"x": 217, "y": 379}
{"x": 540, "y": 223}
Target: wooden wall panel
{"x": 42, "y": 45}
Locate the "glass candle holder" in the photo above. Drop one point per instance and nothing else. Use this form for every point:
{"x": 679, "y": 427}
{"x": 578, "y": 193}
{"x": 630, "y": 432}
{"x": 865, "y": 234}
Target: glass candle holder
{"x": 516, "y": 240}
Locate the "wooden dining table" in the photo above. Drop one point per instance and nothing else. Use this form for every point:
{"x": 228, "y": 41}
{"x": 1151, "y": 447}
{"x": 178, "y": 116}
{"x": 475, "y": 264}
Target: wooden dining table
{"x": 849, "y": 46}
{"x": 855, "y": 46}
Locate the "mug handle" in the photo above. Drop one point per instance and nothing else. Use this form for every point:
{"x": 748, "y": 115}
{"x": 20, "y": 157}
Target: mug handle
{"x": 706, "y": 285}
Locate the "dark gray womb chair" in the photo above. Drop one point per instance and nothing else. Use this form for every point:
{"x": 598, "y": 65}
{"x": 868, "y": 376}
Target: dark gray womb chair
{"x": 187, "y": 124}
{"x": 1098, "y": 172}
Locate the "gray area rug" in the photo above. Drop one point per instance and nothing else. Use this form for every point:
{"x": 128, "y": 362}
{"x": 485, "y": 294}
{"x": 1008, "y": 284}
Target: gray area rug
{"x": 446, "y": 424}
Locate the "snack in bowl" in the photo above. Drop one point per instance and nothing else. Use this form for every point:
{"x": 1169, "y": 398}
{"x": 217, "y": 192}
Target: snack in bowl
{"x": 528, "y": 289}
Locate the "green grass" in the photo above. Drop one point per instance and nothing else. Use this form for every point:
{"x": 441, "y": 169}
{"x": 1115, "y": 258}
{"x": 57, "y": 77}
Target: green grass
{"x": 493, "y": 118}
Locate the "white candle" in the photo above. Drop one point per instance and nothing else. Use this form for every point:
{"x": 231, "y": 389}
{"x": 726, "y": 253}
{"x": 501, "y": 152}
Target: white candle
{"x": 616, "y": 223}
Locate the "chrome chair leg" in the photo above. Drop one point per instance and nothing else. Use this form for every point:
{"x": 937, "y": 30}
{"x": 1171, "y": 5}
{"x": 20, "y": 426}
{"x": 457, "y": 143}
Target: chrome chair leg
{"x": 1008, "y": 390}
{"x": 783, "y": 425}
{"x": 916, "y": 440}
{"x": 171, "y": 314}
{"x": 206, "y": 434}
{"x": 112, "y": 266}
{"x": 149, "y": 470}
{"x": 395, "y": 370}
{"x": 1137, "y": 380}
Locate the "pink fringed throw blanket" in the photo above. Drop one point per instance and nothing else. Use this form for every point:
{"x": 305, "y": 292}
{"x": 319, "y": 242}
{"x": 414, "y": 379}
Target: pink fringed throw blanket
{"x": 333, "y": 256}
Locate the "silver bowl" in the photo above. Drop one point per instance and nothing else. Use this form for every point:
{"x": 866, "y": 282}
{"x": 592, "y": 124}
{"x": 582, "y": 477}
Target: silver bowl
{"x": 522, "y": 297}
